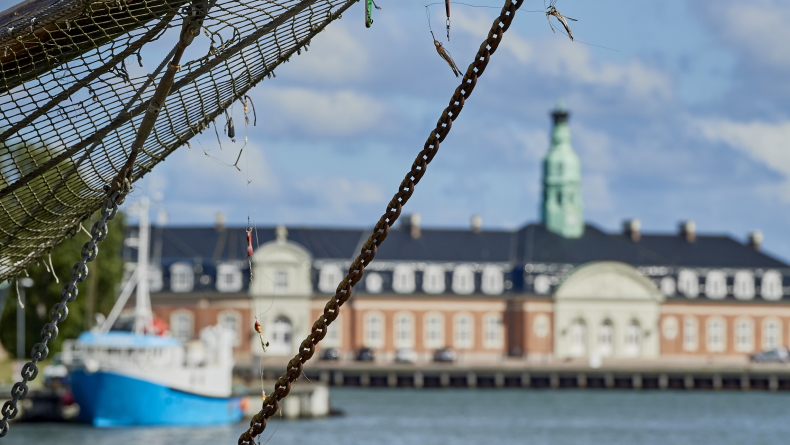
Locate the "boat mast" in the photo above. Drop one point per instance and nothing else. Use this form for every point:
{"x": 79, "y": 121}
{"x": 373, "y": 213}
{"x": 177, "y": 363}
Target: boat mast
{"x": 143, "y": 316}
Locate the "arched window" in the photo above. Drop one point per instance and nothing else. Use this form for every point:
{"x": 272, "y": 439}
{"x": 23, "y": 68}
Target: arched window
{"x": 542, "y": 284}
{"x": 281, "y": 336}
{"x": 633, "y": 339}
{"x": 463, "y": 280}
{"x": 434, "y": 330}
{"x": 670, "y": 327}
{"x": 404, "y": 330}
{"x": 334, "y": 332}
{"x": 464, "y": 331}
{"x": 743, "y": 286}
{"x": 716, "y": 339}
{"x": 688, "y": 283}
{"x": 540, "y": 325}
{"x": 690, "y": 331}
{"x": 373, "y": 282}
{"x": 403, "y": 279}
{"x": 231, "y": 320}
{"x": 182, "y": 324}
{"x": 772, "y": 333}
{"x": 716, "y": 284}
{"x": 771, "y": 285}
{"x": 578, "y": 335}
{"x": 493, "y": 282}
{"x": 229, "y": 278}
{"x": 329, "y": 277}
{"x": 374, "y": 330}
{"x": 182, "y": 277}
{"x": 433, "y": 279}
{"x": 744, "y": 334}
{"x": 668, "y": 286}
{"x": 492, "y": 331}
{"x": 606, "y": 339}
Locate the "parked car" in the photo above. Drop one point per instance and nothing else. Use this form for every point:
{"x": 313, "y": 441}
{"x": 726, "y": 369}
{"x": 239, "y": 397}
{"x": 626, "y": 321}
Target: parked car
{"x": 446, "y": 355}
{"x": 366, "y": 355}
{"x": 405, "y": 356}
{"x": 781, "y": 355}
{"x": 330, "y": 354}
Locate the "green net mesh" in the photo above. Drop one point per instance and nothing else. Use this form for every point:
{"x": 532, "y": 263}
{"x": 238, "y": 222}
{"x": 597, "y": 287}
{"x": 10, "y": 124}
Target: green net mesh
{"x": 75, "y": 80}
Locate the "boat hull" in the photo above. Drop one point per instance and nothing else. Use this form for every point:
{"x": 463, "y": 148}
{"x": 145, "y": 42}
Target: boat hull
{"x": 109, "y": 399}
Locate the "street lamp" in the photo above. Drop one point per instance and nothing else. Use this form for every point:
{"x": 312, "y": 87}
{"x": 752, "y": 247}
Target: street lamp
{"x": 22, "y": 283}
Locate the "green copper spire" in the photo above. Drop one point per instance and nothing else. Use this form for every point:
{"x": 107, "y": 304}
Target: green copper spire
{"x": 562, "y": 210}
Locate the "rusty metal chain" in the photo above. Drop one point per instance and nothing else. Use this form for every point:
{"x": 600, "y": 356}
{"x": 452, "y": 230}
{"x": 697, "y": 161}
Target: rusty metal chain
{"x": 381, "y": 230}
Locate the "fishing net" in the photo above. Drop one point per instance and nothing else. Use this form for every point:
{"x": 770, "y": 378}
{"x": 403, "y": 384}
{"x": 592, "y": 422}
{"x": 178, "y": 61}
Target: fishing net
{"x": 76, "y": 79}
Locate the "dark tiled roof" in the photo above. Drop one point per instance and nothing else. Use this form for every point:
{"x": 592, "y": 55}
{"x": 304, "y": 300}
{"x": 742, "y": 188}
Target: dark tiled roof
{"x": 448, "y": 245}
{"x": 706, "y": 251}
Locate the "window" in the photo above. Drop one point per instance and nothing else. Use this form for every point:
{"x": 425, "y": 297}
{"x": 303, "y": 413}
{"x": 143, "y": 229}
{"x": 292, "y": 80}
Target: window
{"x": 688, "y": 283}
{"x": 182, "y": 278}
{"x": 433, "y": 279}
{"x": 540, "y": 326}
{"x": 633, "y": 339}
{"x": 743, "y": 286}
{"x": 605, "y": 337}
{"x": 492, "y": 331}
{"x": 716, "y": 284}
{"x": 154, "y": 278}
{"x": 464, "y": 331}
{"x": 744, "y": 335}
{"x": 328, "y": 278}
{"x": 181, "y": 325}
{"x": 373, "y": 282}
{"x": 771, "y": 285}
{"x": 772, "y": 333}
{"x": 434, "y": 330}
{"x": 493, "y": 282}
{"x": 281, "y": 336}
{"x": 578, "y": 333}
{"x": 542, "y": 284}
{"x": 403, "y": 279}
{"x": 281, "y": 281}
{"x": 463, "y": 280}
{"x": 670, "y": 327}
{"x": 333, "y": 337}
{"x": 715, "y": 334}
{"x": 231, "y": 320}
{"x": 668, "y": 286}
{"x": 404, "y": 330}
{"x": 229, "y": 278}
{"x": 690, "y": 334}
{"x": 374, "y": 330}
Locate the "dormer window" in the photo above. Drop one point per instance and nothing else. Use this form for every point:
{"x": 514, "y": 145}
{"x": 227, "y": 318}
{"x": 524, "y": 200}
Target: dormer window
{"x": 373, "y": 282}
{"x": 716, "y": 284}
{"x": 493, "y": 282}
{"x": 771, "y": 285}
{"x": 281, "y": 281}
{"x": 743, "y": 286}
{"x": 182, "y": 278}
{"x": 154, "y": 278}
{"x": 433, "y": 279}
{"x": 463, "y": 280}
{"x": 229, "y": 278}
{"x": 542, "y": 284}
{"x": 688, "y": 283}
{"x": 403, "y": 279}
{"x": 328, "y": 278}
{"x": 668, "y": 286}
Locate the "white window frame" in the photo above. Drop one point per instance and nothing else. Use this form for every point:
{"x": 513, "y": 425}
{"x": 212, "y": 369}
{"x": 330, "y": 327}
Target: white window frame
{"x": 464, "y": 331}
{"x": 667, "y": 286}
{"x": 716, "y": 284}
{"x": 176, "y": 330}
{"x": 606, "y": 338}
{"x": 577, "y": 333}
{"x": 403, "y": 330}
{"x": 744, "y": 334}
{"x": 281, "y": 281}
{"x": 670, "y": 327}
{"x": 433, "y": 279}
{"x": 374, "y": 329}
{"x": 227, "y": 314}
{"x": 463, "y": 279}
{"x": 433, "y": 325}
{"x": 374, "y": 282}
{"x": 403, "y": 279}
{"x": 493, "y": 331}
{"x": 334, "y": 334}
{"x": 492, "y": 281}
{"x": 232, "y": 271}
{"x": 329, "y": 277}
{"x": 715, "y": 334}
{"x": 155, "y": 280}
{"x": 688, "y": 283}
{"x": 182, "y": 277}
{"x": 542, "y": 284}
{"x": 771, "y": 285}
{"x": 743, "y": 285}
{"x": 690, "y": 333}
{"x": 771, "y": 341}
{"x": 541, "y": 325}
{"x": 632, "y": 344}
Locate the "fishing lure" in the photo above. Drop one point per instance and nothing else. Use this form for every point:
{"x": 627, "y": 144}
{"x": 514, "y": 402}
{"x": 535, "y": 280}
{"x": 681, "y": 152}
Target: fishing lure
{"x": 446, "y": 56}
{"x": 263, "y": 346}
{"x": 552, "y": 11}
{"x": 447, "y": 9}
{"x": 369, "y": 5}
{"x": 249, "y": 259}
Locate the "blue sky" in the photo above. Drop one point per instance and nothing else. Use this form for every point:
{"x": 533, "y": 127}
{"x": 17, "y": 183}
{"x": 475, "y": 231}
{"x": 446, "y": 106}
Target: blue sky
{"x": 688, "y": 119}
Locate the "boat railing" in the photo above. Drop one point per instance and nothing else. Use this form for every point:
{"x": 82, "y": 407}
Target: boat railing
{"x": 76, "y": 354}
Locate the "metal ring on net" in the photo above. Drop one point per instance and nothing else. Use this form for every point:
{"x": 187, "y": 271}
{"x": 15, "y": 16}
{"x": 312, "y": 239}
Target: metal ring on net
{"x": 357, "y": 269}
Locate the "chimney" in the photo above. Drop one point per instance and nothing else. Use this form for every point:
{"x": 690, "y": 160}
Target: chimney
{"x": 632, "y": 228}
{"x": 688, "y": 231}
{"x": 477, "y": 223}
{"x": 219, "y": 221}
{"x": 412, "y": 224}
{"x": 756, "y": 240}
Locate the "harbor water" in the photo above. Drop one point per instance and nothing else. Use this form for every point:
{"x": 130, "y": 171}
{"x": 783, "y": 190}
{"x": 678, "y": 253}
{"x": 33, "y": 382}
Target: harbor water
{"x": 383, "y": 416}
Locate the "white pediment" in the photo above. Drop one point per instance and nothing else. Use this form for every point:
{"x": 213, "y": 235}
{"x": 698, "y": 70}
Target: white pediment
{"x": 608, "y": 280}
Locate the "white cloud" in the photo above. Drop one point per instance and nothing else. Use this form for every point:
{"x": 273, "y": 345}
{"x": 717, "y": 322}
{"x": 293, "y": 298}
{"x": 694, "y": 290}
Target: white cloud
{"x": 764, "y": 142}
{"x": 595, "y": 192}
{"x": 334, "y": 56}
{"x": 339, "y": 113}
{"x": 338, "y": 194}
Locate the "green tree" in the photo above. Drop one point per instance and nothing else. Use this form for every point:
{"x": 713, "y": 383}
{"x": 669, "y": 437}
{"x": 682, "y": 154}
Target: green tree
{"x": 96, "y": 294}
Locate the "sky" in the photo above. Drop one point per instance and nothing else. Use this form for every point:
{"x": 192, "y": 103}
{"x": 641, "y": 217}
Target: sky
{"x": 680, "y": 109}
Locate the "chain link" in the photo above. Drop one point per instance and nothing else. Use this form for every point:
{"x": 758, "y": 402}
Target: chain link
{"x": 60, "y": 310}
{"x": 344, "y": 290}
